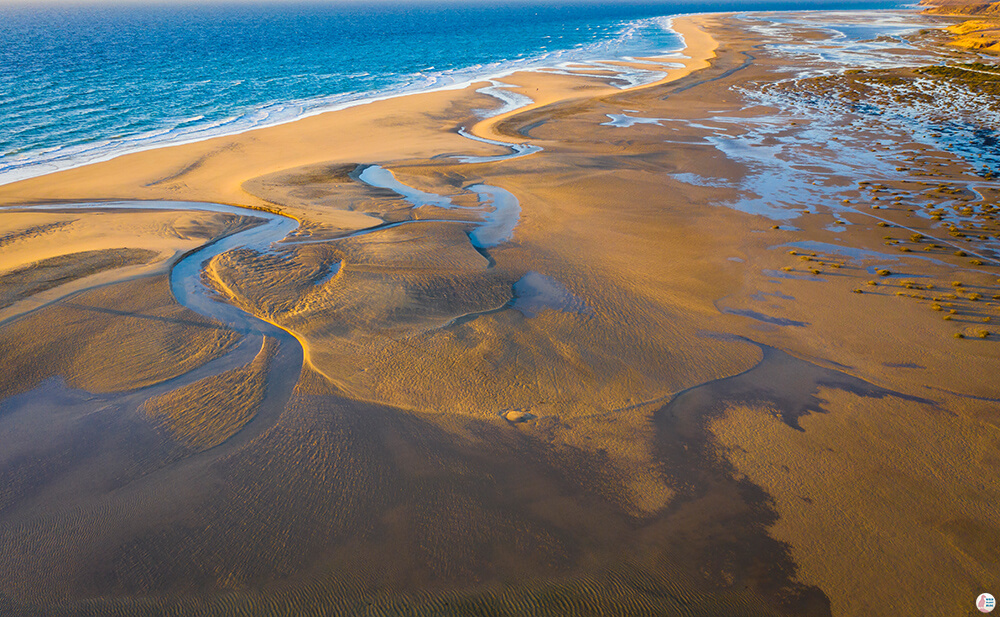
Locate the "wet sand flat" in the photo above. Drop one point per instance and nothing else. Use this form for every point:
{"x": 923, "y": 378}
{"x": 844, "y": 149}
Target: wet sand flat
{"x": 721, "y": 344}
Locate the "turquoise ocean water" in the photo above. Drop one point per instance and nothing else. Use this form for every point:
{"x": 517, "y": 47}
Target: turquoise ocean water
{"x": 87, "y": 83}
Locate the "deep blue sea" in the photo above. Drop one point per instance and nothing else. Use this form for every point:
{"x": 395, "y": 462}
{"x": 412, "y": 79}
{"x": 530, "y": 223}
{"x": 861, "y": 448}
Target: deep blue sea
{"x": 87, "y": 83}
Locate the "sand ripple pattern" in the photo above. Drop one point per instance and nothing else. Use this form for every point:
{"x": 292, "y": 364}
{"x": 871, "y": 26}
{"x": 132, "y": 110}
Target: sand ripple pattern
{"x": 49, "y": 273}
{"x": 210, "y": 411}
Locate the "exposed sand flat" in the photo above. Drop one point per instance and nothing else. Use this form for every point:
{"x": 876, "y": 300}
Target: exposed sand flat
{"x": 882, "y": 504}
{"x": 113, "y": 338}
{"x": 48, "y": 273}
{"x": 49, "y": 255}
{"x": 734, "y": 357}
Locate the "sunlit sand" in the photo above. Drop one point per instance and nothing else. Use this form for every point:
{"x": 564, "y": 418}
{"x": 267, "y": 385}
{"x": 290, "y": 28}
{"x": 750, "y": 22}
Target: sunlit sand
{"x": 702, "y": 346}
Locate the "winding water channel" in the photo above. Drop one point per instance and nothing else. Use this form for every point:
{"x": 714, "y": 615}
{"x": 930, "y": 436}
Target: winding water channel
{"x": 498, "y": 211}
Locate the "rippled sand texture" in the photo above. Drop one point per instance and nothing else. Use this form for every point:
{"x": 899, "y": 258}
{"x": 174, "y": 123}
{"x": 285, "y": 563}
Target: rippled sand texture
{"x": 109, "y": 339}
{"x": 210, "y": 411}
{"x": 719, "y": 345}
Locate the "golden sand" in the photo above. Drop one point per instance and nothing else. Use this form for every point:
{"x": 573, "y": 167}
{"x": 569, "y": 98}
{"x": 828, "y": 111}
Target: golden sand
{"x": 112, "y": 338}
{"x": 445, "y": 449}
{"x": 980, "y": 26}
{"x": 899, "y": 487}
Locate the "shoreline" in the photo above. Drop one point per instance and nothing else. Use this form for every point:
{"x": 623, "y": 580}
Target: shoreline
{"x": 597, "y": 65}
{"x": 551, "y": 60}
{"x": 697, "y": 53}
{"x": 137, "y": 175}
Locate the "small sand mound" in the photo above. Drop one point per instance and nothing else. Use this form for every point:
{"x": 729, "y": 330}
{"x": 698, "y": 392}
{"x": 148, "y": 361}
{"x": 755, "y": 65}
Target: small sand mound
{"x": 515, "y": 417}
